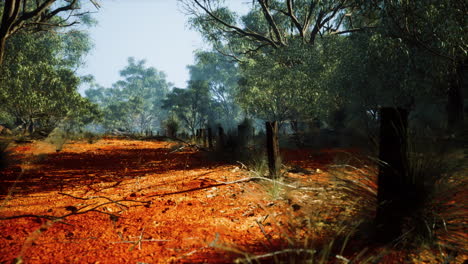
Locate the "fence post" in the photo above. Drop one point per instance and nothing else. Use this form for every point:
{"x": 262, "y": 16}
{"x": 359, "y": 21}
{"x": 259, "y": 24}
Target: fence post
{"x": 274, "y": 161}
{"x": 393, "y": 186}
{"x": 220, "y": 141}
{"x": 210, "y": 137}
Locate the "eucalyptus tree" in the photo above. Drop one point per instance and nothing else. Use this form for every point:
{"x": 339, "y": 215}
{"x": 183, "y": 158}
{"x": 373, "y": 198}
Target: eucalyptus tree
{"x": 38, "y": 85}
{"x": 40, "y": 15}
{"x": 437, "y": 28}
{"x": 279, "y": 46}
{"x": 150, "y": 86}
{"x": 221, "y": 75}
{"x": 133, "y": 104}
{"x": 283, "y": 84}
{"x": 271, "y": 23}
{"x": 192, "y": 105}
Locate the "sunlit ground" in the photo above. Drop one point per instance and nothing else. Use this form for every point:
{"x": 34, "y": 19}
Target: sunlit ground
{"x": 129, "y": 201}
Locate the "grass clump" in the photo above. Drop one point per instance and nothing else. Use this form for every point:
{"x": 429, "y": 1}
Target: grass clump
{"x": 437, "y": 181}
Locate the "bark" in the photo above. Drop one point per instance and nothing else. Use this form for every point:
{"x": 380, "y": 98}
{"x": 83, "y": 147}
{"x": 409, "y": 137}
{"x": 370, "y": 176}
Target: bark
{"x": 2, "y": 48}
{"x": 392, "y": 183}
{"x": 274, "y": 160}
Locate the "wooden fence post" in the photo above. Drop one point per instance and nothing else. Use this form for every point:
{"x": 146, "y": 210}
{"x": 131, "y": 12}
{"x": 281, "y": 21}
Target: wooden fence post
{"x": 393, "y": 185}
{"x": 274, "y": 161}
{"x": 242, "y": 136}
{"x": 220, "y": 141}
{"x": 210, "y": 137}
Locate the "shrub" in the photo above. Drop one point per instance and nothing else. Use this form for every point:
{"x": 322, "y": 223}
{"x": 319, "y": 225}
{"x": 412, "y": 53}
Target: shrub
{"x": 171, "y": 126}
{"x": 91, "y": 137}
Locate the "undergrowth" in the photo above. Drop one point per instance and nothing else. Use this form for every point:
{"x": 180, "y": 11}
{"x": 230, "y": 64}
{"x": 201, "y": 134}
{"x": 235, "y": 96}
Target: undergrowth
{"x": 436, "y": 222}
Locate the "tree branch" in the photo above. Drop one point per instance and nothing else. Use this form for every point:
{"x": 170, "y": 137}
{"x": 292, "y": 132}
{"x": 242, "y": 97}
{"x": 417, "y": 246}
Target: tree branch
{"x": 271, "y": 22}
{"x": 294, "y": 19}
{"x": 237, "y": 29}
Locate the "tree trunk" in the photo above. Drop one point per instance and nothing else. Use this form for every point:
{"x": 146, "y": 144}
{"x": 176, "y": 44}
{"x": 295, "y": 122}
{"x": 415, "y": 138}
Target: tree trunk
{"x": 392, "y": 183}
{"x": 2, "y": 49}
{"x": 274, "y": 160}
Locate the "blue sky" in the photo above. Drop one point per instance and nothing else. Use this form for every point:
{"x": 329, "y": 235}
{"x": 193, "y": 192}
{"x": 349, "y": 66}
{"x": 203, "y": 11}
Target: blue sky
{"x": 154, "y": 30}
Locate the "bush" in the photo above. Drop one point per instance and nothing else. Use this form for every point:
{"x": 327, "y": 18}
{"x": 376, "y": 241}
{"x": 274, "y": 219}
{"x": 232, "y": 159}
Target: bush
{"x": 171, "y": 126}
{"x": 91, "y": 137}
{"x": 58, "y": 137}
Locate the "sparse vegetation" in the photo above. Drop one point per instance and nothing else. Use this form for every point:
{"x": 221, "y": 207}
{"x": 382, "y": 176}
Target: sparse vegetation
{"x": 306, "y": 131}
{"x": 91, "y": 137}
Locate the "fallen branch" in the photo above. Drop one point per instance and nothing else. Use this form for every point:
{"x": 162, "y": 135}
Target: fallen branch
{"x": 271, "y": 180}
{"x": 186, "y": 143}
{"x": 48, "y": 217}
{"x": 117, "y": 202}
{"x": 221, "y": 183}
{"x": 139, "y": 240}
{"x": 272, "y": 254}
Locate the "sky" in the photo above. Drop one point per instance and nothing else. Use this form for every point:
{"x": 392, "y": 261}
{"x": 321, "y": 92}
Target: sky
{"x": 154, "y": 30}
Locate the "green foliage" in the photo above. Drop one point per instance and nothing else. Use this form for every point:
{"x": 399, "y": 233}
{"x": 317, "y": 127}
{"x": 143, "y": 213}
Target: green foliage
{"x": 38, "y": 85}
{"x": 172, "y": 126}
{"x": 221, "y": 76}
{"x": 91, "y": 137}
{"x": 284, "y": 84}
{"x": 133, "y": 104}
{"x": 190, "y": 105}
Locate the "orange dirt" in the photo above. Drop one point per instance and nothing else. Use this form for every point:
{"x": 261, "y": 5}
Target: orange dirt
{"x": 128, "y": 201}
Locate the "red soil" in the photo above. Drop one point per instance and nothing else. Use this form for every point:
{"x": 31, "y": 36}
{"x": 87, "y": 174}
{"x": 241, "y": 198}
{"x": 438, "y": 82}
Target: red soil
{"x": 123, "y": 201}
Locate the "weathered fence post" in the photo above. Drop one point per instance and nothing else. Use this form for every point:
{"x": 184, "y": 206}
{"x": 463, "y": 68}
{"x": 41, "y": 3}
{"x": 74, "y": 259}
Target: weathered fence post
{"x": 197, "y": 136}
{"x": 242, "y": 136}
{"x": 220, "y": 141}
{"x": 393, "y": 187}
{"x": 210, "y": 137}
{"x": 203, "y": 137}
{"x": 274, "y": 161}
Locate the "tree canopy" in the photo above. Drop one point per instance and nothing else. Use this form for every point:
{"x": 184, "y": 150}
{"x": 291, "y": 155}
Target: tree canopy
{"x": 134, "y": 103}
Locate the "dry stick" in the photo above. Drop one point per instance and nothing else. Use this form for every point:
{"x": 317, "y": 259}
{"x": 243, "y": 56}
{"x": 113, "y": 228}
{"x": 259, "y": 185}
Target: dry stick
{"x": 187, "y": 143}
{"x": 221, "y": 183}
{"x": 140, "y": 239}
{"x": 288, "y": 250}
{"x": 107, "y": 198}
{"x": 58, "y": 218}
{"x": 267, "y": 236}
{"x": 271, "y": 180}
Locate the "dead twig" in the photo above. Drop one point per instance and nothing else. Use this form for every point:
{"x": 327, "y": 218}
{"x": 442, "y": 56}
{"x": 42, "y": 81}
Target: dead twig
{"x": 117, "y": 202}
{"x": 284, "y": 251}
{"x": 139, "y": 240}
